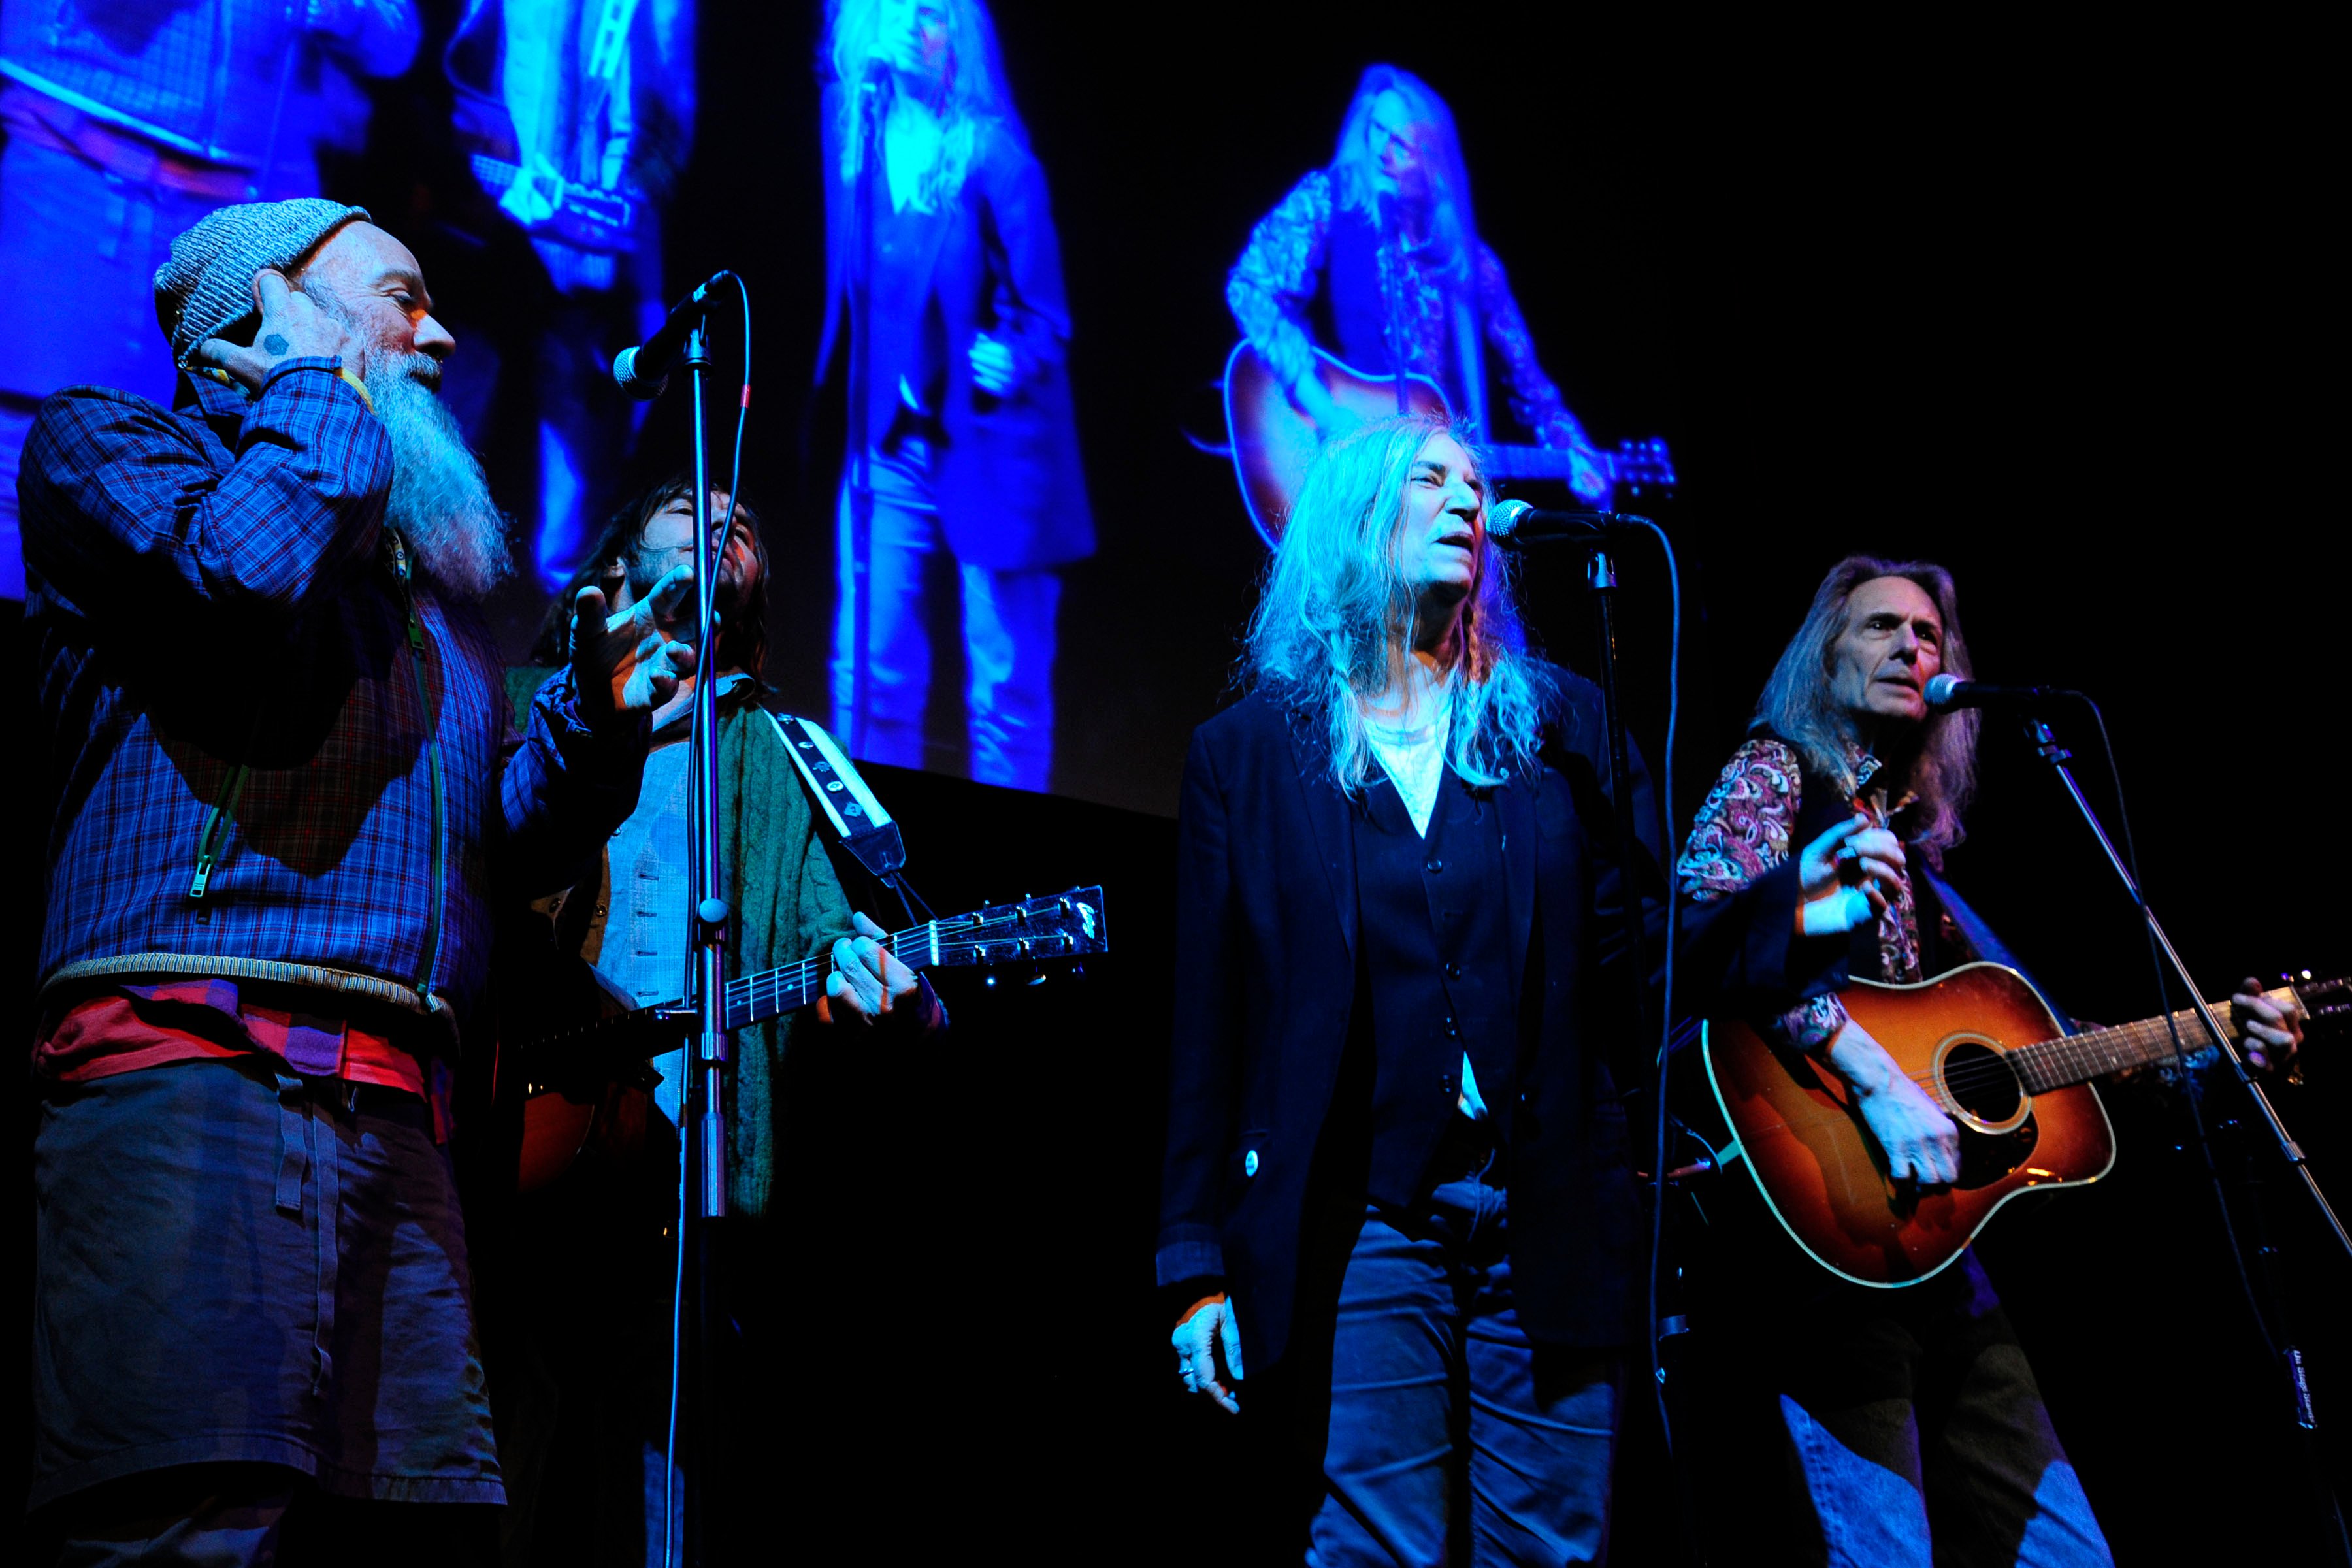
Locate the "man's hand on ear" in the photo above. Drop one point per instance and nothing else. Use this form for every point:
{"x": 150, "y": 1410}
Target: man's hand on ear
{"x": 292, "y": 327}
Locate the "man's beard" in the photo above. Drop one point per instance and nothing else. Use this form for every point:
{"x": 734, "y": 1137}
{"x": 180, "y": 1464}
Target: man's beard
{"x": 440, "y": 501}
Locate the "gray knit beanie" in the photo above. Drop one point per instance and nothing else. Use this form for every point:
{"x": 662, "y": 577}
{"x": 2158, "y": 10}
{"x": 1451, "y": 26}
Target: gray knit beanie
{"x": 207, "y": 284}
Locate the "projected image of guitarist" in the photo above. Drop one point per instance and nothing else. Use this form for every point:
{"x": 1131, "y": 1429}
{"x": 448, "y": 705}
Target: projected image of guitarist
{"x": 1880, "y": 1153}
{"x": 1382, "y": 244}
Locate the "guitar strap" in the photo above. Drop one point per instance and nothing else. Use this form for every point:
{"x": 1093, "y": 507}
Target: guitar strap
{"x": 1981, "y": 936}
{"x": 863, "y": 826}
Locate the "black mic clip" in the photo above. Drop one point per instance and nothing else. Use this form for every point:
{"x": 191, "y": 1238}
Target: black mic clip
{"x": 1947, "y": 692}
{"x": 642, "y": 372}
{"x": 1519, "y": 525}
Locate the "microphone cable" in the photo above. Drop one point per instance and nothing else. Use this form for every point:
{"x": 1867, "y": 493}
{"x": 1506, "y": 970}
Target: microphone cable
{"x": 670, "y": 1467}
{"x": 1670, "y": 852}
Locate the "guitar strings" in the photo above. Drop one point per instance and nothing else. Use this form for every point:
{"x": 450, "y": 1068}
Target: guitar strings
{"x": 2067, "y": 1052}
{"x": 805, "y": 976}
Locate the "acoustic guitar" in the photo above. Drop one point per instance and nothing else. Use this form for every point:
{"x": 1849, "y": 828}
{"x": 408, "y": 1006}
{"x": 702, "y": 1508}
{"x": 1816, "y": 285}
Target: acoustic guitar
{"x": 589, "y": 1082}
{"x": 1985, "y": 1047}
{"x": 1273, "y": 443}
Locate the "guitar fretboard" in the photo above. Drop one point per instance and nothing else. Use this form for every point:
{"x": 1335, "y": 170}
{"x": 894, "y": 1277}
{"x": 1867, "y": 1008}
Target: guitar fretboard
{"x": 774, "y": 992}
{"x": 1008, "y": 937}
{"x": 2078, "y": 1058}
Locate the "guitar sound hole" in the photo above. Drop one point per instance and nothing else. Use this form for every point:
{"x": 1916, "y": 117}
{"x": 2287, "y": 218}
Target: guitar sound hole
{"x": 1983, "y": 1083}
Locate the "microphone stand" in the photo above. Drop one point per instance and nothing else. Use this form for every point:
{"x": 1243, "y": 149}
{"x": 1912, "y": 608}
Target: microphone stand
{"x": 1601, "y": 578}
{"x": 703, "y": 1107}
{"x": 859, "y": 432}
{"x": 2290, "y": 1355}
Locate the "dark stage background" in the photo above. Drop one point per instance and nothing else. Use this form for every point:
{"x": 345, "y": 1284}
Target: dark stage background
{"x": 2043, "y": 314}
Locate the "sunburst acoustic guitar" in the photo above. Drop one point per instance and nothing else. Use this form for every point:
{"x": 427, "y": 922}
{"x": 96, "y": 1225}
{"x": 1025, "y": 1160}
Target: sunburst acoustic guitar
{"x": 1986, "y": 1048}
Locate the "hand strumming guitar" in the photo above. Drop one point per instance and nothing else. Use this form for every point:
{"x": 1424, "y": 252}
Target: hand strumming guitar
{"x": 1920, "y": 1143}
{"x": 1844, "y": 877}
{"x": 1314, "y": 400}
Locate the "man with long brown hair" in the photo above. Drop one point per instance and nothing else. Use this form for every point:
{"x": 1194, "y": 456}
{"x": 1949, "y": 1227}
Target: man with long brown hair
{"x": 1882, "y": 1404}
{"x": 579, "y": 1340}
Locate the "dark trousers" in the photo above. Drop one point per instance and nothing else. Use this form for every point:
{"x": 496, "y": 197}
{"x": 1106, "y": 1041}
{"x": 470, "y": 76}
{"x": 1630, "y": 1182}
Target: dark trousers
{"x": 220, "y": 1515}
{"x": 1452, "y": 1438}
{"x": 235, "y": 1265}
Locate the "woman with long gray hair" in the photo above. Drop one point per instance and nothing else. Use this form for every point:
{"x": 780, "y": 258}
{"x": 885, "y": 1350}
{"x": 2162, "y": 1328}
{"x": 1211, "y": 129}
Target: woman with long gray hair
{"x": 943, "y": 263}
{"x": 1382, "y": 244}
{"x": 1396, "y": 1186}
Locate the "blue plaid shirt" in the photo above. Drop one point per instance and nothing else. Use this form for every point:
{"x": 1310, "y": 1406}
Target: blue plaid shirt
{"x": 209, "y": 588}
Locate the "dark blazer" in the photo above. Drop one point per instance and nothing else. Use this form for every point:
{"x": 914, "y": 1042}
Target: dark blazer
{"x": 1266, "y": 983}
{"x": 1012, "y": 493}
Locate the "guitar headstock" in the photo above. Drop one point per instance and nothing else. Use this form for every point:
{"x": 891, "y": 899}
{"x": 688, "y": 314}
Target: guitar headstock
{"x": 2326, "y": 1003}
{"x": 1639, "y": 465}
{"x": 1058, "y": 925}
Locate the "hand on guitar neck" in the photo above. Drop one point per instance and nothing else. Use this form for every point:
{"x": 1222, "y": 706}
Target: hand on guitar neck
{"x": 869, "y": 984}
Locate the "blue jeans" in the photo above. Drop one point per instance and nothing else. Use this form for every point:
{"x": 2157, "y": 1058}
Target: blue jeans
{"x": 1881, "y": 1429}
{"x": 1453, "y": 1438}
{"x": 1008, "y": 636}
{"x": 2004, "y": 1493}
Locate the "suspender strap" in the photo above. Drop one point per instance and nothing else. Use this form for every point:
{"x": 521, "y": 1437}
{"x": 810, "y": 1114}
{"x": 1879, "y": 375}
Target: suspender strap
{"x": 865, "y": 828}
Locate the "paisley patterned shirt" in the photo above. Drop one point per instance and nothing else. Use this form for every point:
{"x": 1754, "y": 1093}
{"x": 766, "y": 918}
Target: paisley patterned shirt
{"x": 1743, "y": 831}
{"x": 1276, "y": 280}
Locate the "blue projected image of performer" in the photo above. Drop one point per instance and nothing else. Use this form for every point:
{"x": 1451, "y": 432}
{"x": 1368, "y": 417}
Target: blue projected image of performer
{"x": 578, "y": 116}
{"x": 1380, "y": 251}
{"x": 128, "y": 122}
{"x": 962, "y": 439}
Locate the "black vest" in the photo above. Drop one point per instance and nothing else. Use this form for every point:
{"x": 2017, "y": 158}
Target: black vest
{"x": 1434, "y": 924}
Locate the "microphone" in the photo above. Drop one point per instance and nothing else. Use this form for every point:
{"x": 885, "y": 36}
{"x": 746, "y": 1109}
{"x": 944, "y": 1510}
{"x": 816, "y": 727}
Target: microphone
{"x": 644, "y": 370}
{"x": 1947, "y": 692}
{"x": 1518, "y": 525}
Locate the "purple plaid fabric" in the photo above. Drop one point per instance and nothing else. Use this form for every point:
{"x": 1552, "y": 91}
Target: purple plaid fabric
{"x": 208, "y": 586}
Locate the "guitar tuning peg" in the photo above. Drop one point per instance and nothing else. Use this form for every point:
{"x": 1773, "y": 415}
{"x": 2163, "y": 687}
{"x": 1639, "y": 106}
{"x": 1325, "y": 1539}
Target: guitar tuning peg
{"x": 1037, "y": 977}
{"x": 989, "y": 980}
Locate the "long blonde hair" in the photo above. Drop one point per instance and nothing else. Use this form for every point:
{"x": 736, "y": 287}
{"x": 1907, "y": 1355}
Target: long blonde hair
{"x": 973, "y": 99}
{"x": 1334, "y": 626}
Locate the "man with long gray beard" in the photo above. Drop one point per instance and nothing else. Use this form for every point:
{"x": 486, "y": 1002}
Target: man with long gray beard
{"x": 282, "y": 787}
